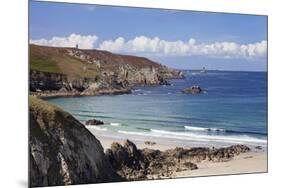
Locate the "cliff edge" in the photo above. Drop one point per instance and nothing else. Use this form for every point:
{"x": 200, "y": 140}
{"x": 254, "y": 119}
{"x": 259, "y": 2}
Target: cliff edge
{"x": 62, "y": 151}
{"x": 69, "y": 71}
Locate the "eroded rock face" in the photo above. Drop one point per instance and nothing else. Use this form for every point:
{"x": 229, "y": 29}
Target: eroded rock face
{"x": 134, "y": 164}
{"x": 62, "y": 151}
{"x": 113, "y": 73}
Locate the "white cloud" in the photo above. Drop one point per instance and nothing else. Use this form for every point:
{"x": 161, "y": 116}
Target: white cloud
{"x": 157, "y": 46}
{"x": 84, "y": 42}
{"x": 143, "y": 45}
{"x": 113, "y": 46}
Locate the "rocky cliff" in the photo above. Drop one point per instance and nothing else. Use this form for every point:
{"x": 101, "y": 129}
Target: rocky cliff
{"x": 69, "y": 71}
{"x": 62, "y": 151}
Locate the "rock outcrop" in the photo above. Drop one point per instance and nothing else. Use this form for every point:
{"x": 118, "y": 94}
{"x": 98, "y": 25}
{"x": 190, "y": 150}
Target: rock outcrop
{"x": 94, "y": 122}
{"x": 62, "y": 151}
{"x": 150, "y": 143}
{"x": 68, "y": 71}
{"x": 134, "y": 164}
{"x": 193, "y": 90}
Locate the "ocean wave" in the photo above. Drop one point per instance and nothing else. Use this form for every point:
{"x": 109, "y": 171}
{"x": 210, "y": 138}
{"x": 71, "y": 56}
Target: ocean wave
{"x": 97, "y": 128}
{"x": 191, "y": 128}
{"x": 197, "y": 137}
{"x": 134, "y": 133}
{"x": 115, "y": 124}
{"x": 236, "y": 139}
{"x": 203, "y": 129}
{"x": 136, "y": 90}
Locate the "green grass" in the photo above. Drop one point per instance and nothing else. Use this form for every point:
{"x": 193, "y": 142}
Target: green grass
{"x": 54, "y": 61}
{"x": 38, "y": 106}
{"x": 43, "y": 64}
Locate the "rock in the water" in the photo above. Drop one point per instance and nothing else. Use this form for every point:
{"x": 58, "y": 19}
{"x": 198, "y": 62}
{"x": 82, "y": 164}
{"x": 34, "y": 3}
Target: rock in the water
{"x": 150, "y": 143}
{"x": 62, "y": 151}
{"x": 94, "y": 122}
{"x": 258, "y": 147}
{"x": 192, "y": 90}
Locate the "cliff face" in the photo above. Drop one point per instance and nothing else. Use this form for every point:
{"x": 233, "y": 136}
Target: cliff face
{"x": 62, "y": 150}
{"x": 68, "y": 71}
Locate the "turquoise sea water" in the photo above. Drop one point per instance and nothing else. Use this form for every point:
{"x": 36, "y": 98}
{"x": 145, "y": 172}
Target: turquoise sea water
{"x": 232, "y": 109}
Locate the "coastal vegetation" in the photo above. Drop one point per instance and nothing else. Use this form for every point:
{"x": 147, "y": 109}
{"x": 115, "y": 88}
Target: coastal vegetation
{"x": 70, "y": 72}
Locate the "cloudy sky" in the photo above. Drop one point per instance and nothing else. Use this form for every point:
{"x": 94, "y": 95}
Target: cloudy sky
{"x": 179, "y": 39}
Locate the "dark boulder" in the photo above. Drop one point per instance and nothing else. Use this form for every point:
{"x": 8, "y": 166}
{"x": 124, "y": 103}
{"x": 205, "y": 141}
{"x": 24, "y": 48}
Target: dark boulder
{"x": 258, "y": 147}
{"x": 192, "y": 90}
{"x": 125, "y": 156}
{"x": 94, "y": 122}
{"x": 134, "y": 164}
{"x": 150, "y": 143}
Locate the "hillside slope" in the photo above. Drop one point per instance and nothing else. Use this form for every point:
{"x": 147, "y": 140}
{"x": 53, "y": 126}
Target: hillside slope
{"x": 70, "y": 71}
{"x": 62, "y": 151}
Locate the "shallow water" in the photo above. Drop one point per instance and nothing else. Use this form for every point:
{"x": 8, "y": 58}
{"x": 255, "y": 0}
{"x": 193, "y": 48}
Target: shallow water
{"x": 232, "y": 109}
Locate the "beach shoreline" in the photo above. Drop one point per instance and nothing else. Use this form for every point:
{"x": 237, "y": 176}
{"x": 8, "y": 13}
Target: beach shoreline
{"x": 161, "y": 143}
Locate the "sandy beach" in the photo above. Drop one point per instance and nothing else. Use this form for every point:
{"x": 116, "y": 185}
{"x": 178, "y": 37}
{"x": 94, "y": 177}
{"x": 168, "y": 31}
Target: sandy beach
{"x": 251, "y": 162}
{"x": 254, "y": 161}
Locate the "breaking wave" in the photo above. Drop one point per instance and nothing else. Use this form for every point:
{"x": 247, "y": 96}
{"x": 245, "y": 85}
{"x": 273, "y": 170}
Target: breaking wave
{"x": 191, "y": 128}
{"x": 197, "y": 137}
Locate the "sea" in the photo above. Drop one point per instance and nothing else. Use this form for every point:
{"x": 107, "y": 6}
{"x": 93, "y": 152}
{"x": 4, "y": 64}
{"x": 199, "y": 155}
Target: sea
{"x": 232, "y": 109}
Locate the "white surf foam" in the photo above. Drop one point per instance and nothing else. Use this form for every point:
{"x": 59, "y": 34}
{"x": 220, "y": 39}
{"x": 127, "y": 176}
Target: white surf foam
{"x": 97, "y": 128}
{"x": 197, "y": 137}
{"x": 191, "y": 128}
{"x": 115, "y": 124}
{"x": 235, "y": 139}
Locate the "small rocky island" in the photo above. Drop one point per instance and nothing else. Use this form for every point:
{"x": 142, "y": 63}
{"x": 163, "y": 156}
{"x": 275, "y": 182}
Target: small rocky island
{"x": 195, "y": 89}
{"x": 94, "y": 122}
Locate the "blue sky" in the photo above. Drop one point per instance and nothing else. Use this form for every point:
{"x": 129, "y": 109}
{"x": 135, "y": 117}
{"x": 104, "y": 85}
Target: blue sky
{"x": 48, "y": 20}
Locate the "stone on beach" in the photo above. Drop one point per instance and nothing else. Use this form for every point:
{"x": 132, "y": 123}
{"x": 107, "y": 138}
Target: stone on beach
{"x": 150, "y": 143}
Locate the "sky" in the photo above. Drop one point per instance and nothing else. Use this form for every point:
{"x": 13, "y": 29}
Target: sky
{"x": 178, "y": 39}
